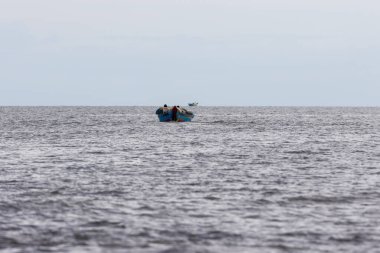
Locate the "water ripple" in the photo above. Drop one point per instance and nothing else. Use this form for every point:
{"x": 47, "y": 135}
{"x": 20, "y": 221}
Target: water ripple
{"x": 113, "y": 179}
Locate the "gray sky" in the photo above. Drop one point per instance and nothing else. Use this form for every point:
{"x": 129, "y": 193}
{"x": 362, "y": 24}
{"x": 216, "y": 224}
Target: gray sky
{"x": 217, "y": 52}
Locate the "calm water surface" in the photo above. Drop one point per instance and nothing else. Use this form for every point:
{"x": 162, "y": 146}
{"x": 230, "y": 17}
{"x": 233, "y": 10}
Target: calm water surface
{"x": 114, "y": 179}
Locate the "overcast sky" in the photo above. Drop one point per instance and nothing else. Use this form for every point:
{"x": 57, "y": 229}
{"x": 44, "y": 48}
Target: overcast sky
{"x": 217, "y": 52}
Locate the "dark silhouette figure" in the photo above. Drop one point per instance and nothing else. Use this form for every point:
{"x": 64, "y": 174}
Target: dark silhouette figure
{"x": 174, "y": 113}
{"x": 165, "y": 105}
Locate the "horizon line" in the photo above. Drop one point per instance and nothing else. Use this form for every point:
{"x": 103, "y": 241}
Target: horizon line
{"x": 359, "y": 106}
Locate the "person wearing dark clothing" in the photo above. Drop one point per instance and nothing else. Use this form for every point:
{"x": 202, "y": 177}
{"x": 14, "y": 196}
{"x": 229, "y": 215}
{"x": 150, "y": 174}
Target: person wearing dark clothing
{"x": 174, "y": 113}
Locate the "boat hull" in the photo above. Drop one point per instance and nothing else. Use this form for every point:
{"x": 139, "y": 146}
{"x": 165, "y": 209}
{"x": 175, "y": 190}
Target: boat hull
{"x": 168, "y": 117}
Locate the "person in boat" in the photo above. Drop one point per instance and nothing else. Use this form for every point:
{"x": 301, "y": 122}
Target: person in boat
{"x": 174, "y": 113}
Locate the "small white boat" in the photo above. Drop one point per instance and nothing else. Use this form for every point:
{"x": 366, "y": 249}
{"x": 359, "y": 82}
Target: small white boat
{"x": 193, "y": 104}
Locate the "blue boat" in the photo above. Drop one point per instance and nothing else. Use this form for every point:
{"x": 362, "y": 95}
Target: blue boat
{"x": 165, "y": 114}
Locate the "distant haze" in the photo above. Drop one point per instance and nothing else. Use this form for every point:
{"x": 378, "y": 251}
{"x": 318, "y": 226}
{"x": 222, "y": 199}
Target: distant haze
{"x": 216, "y": 52}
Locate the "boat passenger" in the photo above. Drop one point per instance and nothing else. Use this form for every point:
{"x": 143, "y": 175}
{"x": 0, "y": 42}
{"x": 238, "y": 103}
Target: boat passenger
{"x": 174, "y": 113}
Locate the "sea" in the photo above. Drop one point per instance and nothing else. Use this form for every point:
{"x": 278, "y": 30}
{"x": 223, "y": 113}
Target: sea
{"x": 235, "y": 179}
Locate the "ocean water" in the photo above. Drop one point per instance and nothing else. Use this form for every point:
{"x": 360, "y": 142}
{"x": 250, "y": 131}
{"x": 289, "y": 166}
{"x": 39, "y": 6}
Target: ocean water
{"x": 253, "y": 179}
